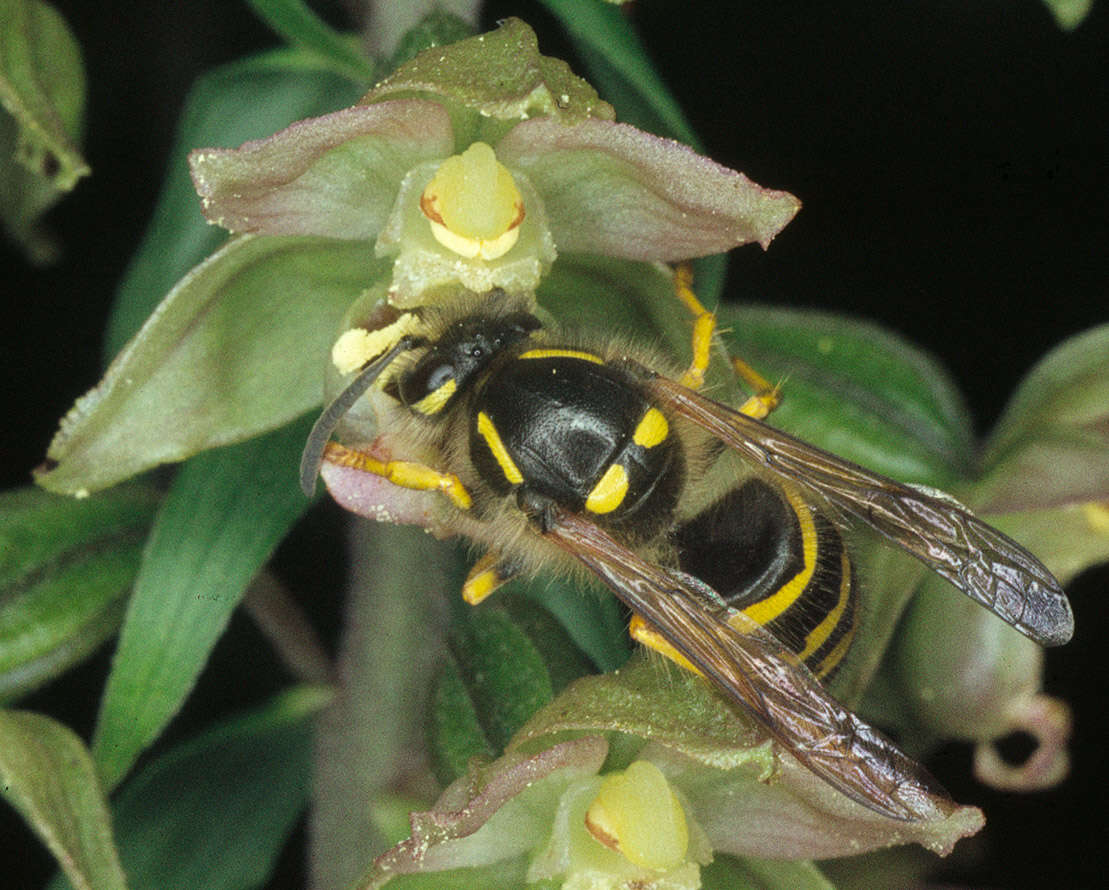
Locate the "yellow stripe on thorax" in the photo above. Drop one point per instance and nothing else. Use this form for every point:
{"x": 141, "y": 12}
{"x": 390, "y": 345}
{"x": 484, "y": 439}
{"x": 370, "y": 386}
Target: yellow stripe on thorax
{"x": 765, "y": 611}
{"x": 608, "y": 494}
{"x": 433, "y": 402}
{"x": 493, "y": 439}
{"x": 652, "y": 429}
{"x": 563, "y": 353}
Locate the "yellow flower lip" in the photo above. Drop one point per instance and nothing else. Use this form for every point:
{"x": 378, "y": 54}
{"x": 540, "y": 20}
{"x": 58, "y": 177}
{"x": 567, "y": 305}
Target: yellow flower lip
{"x": 635, "y": 813}
{"x": 473, "y": 205}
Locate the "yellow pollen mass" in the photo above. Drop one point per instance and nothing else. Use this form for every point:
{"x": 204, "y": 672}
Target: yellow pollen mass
{"x": 636, "y": 814}
{"x": 473, "y": 205}
{"x": 357, "y": 346}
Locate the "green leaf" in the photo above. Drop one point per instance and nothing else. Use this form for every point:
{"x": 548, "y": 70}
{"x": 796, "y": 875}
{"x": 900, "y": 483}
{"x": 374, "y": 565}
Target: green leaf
{"x": 243, "y": 100}
{"x": 1069, "y": 14}
{"x": 858, "y": 390}
{"x": 66, "y": 567}
{"x": 455, "y": 735}
{"x": 301, "y": 27}
{"x": 224, "y": 514}
{"x": 1049, "y": 447}
{"x": 730, "y": 873}
{"x": 504, "y": 673}
{"x": 47, "y": 775}
{"x": 214, "y": 812}
{"x": 594, "y": 620}
{"x": 237, "y": 348}
{"x": 42, "y": 90}
{"x": 620, "y": 69}
{"x": 564, "y": 660}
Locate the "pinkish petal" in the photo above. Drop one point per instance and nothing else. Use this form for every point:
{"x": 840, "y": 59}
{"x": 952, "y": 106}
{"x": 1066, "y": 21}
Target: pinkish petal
{"x": 798, "y": 816}
{"x": 614, "y": 190}
{"x": 450, "y": 836}
{"x": 335, "y": 175}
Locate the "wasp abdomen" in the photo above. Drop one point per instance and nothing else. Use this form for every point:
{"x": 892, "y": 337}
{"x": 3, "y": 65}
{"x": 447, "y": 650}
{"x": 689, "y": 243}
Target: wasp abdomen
{"x": 569, "y": 427}
{"x": 781, "y": 562}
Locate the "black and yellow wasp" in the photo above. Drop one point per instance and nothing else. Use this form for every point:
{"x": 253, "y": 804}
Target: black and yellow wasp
{"x": 552, "y": 446}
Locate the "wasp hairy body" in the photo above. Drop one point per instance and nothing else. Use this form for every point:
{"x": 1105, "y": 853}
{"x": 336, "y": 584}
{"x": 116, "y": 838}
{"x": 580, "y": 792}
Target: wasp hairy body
{"x": 554, "y": 448}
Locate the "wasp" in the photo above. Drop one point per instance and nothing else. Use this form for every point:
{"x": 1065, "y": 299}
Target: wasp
{"x": 549, "y": 445}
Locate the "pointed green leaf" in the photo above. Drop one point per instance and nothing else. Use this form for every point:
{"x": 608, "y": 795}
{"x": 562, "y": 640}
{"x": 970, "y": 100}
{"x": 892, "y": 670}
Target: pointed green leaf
{"x": 294, "y": 21}
{"x": 238, "y": 347}
{"x": 66, "y": 567}
{"x": 454, "y": 732}
{"x": 1049, "y": 447}
{"x": 46, "y": 773}
{"x": 503, "y": 672}
{"x": 437, "y": 28}
{"x": 858, "y": 390}
{"x": 215, "y": 811}
{"x": 243, "y": 100}
{"x": 42, "y": 90}
{"x": 224, "y": 514}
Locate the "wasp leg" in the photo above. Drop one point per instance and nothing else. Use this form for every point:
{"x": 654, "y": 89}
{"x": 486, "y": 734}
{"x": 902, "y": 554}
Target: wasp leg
{"x": 406, "y": 474}
{"x": 766, "y": 396}
{"x": 488, "y": 573}
{"x": 640, "y": 631}
{"x": 704, "y": 326}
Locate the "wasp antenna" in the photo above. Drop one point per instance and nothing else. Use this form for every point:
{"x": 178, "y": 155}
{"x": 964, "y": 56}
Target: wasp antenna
{"x": 312, "y": 457}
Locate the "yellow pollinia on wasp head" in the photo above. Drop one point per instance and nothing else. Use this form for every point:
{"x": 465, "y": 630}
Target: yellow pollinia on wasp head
{"x": 549, "y": 446}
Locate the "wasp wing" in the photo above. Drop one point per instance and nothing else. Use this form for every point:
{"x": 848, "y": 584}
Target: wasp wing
{"x": 751, "y": 667}
{"x": 988, "y": 566}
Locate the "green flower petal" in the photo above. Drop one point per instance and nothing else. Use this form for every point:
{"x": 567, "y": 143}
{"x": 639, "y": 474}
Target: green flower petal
{"x": 493, "y": 814}
{"x": 494, "y": 80}
{"x": 612, "y": 189}
{"x": 1050, "y": 447}
{"x": 335, "y": 175}
{"x": 751, "y": 798}
{"x": 234, "y": 350}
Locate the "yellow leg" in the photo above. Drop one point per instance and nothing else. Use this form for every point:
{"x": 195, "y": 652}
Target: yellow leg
{"x": 488, "y": 573}
{"x": 640, "y": 631}
{"x": 404, "y": 473}
{"x": 704, "y": 325}
{"x": 766, "y": 396}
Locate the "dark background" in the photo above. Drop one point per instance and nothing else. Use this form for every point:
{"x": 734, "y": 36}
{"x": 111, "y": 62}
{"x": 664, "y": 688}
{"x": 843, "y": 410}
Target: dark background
{"x": 953, "y": 160}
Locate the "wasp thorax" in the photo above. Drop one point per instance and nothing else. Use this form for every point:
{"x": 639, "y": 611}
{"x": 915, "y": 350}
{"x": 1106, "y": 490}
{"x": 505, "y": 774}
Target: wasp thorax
{"x": 473, "y": 205}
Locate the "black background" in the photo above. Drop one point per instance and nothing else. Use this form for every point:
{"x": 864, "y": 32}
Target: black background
{"x": 953, "y": 160}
